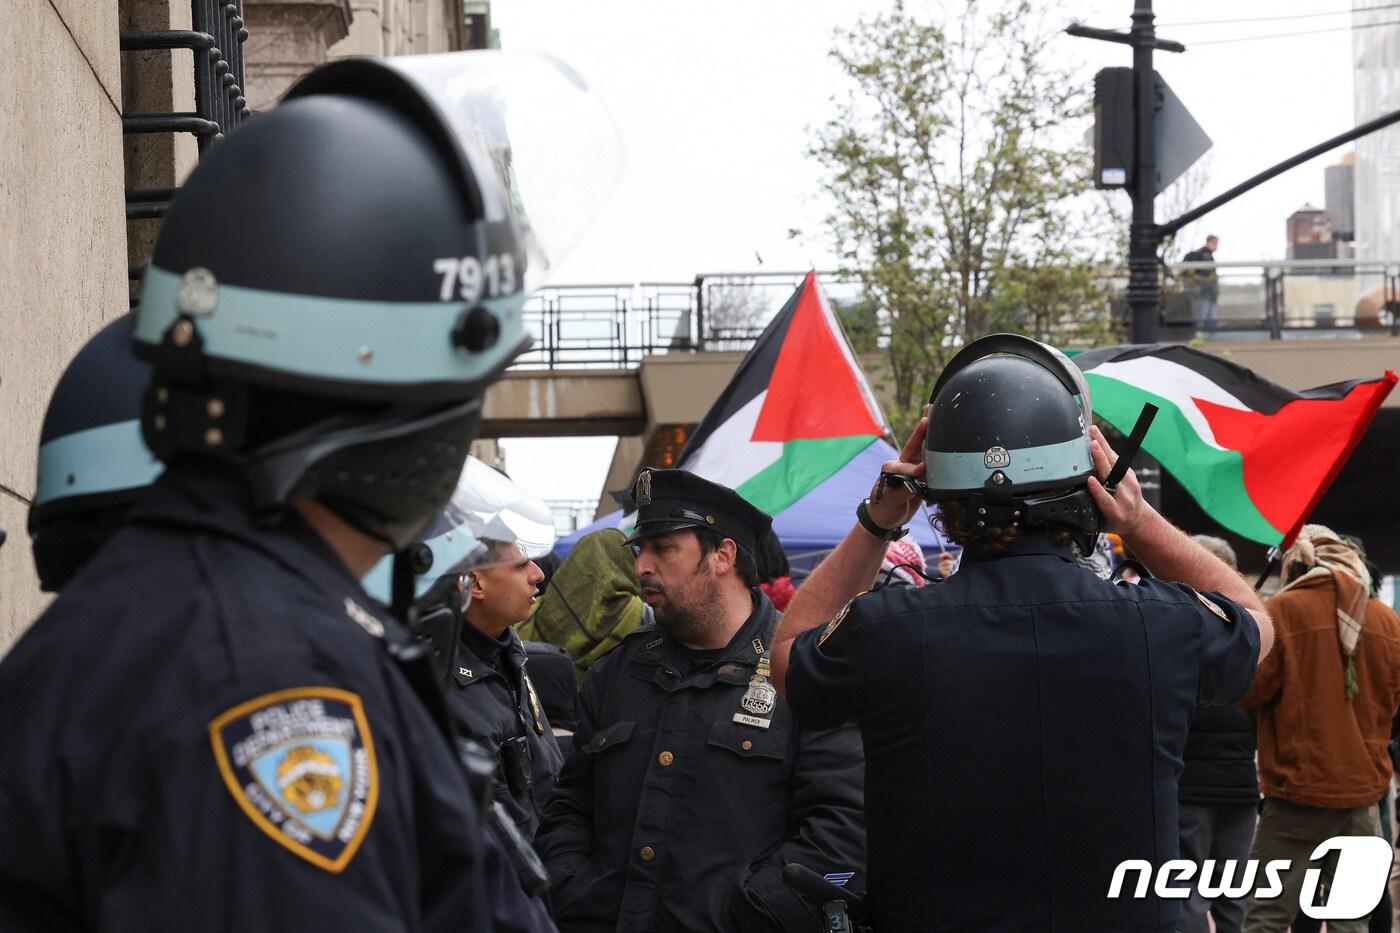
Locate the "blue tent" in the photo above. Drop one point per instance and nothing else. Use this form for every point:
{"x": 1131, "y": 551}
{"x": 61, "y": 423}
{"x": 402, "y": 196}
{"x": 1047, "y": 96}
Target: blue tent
{"x": 818, "y": 521}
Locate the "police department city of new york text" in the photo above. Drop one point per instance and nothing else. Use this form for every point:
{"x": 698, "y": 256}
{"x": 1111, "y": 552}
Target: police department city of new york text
{"x": 1363, "y": 866}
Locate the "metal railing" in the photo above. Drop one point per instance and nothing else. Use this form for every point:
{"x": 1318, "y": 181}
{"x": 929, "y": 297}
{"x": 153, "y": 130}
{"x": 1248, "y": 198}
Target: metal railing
{"x": 1295, "y": 299}
{"x": 615, "y": 326}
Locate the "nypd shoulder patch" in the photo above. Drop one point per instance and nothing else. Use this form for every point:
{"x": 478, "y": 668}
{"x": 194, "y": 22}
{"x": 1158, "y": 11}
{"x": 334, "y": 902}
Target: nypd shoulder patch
{"x": 835, "y": 623}
{"x": 300, "y": 764}
{"x": 1213, "y": 607}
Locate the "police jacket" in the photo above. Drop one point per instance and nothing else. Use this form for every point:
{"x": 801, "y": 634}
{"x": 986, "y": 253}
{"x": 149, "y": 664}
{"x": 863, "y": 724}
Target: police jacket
{"x": 207, "y": 731}
{"x": 1024, "y": 723}
{"x": 671, "y": 816}
{"x": 1219, "y": 758}
{"x": 493, "y": 701}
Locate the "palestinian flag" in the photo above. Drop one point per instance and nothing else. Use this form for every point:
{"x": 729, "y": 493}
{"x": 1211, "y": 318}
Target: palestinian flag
{"x": 797, "y": 410}
{"x": 1255, "y": 456}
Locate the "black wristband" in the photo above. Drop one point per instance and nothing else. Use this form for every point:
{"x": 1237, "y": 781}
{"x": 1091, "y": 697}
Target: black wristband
{"x": 868, "y": 523}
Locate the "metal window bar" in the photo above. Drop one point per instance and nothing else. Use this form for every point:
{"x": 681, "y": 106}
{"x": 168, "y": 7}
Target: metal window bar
{"x": 216, "y": 40}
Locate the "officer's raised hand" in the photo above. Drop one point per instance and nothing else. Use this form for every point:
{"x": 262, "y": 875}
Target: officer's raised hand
{"x": 853, "y": 565}
{"x": 892, "y": 504}
{"x": 1124, "y": 508}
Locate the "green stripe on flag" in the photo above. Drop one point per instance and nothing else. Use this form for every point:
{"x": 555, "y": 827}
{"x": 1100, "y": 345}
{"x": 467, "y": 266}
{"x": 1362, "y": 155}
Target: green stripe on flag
{"x": 1214, "y": 477}
{"x": 803, "y": 466}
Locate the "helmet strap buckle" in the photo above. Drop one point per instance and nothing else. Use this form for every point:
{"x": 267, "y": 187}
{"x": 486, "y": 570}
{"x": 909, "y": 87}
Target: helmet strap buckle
{"x": 208, "y": 419}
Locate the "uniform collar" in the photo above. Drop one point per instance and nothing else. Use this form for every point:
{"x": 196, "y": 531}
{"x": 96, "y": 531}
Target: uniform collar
{"x": 480, "y": 654}
{"x": 1032, "y": 544}
{"x": 741, "y": 653}
{"x": 212, "y": 497}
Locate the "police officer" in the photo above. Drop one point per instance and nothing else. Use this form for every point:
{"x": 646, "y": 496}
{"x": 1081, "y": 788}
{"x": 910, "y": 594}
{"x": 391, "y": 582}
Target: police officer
{"x": 494, "y": 697}
{"x": 690, "y": 787}
{"x": 476, "y": 579}
{"x": 212, "y": 726}
{"x": 1024, "y": 720}
{"x": 93, "y": 466}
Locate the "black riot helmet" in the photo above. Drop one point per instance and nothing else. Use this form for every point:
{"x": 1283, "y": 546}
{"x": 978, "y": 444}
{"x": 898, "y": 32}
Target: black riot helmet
{"x": 1009, "y": 433}
{"x": 337, "y": 283}
{"x": 93, "y": 465}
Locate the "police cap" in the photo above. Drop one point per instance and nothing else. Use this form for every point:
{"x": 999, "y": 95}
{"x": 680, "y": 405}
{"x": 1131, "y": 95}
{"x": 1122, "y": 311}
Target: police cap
{"x": 668, "y": 500}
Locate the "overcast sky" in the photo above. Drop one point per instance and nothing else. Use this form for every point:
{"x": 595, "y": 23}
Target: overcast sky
{"x": 715, "y": 102}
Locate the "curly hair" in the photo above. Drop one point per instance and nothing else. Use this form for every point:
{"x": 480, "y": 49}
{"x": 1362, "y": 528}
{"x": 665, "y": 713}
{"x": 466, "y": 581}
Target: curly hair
{"x": 960, "y": 525}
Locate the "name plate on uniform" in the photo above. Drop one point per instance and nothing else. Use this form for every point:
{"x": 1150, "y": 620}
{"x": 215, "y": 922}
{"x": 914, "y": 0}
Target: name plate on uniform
{"x": 747, "y": 720}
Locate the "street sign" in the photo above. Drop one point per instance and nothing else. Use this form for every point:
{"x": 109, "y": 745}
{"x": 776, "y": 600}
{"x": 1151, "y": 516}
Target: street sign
{"x": 1180, "y": 139}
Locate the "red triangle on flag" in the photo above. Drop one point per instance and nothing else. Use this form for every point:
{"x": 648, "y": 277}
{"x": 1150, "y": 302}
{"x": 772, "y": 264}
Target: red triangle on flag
{"x": 815, "y": 392}
{"x": 1292, "y": 456}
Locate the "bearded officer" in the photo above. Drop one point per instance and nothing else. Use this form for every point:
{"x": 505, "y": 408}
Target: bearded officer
{"x": 690, "y": 786}
{"x": 212, "y": 727}
{"x": 1024, "y": 720}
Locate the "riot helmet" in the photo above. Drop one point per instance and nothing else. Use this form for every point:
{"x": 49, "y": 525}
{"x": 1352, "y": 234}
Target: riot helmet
{"x": 488, "y": 521}
{"x": 337, "y": 283}
{"x": 93, "y": 465}
{"x": 1009, "y": 432}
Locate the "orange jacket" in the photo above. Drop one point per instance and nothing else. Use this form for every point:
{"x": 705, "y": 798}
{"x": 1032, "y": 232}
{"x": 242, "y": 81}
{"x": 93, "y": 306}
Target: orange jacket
{"x": 1315, "y": 747}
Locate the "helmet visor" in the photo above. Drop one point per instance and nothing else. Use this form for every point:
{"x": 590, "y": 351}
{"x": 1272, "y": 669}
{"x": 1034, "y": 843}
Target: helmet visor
{"x": 488, "y": 522}
{"x": 530, "y": 124}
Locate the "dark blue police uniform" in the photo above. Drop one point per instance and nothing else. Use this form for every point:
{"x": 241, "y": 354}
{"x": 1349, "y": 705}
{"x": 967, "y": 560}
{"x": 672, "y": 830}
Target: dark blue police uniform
{"x": 1023, "y": 725}
{"x": 493, "y": 700}
{"x": 671, "y": 816}
{"x": 207, "y": 731}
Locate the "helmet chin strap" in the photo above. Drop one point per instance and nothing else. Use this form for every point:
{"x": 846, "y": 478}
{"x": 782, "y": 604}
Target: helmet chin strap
{"x": 396, "y": 534}
{"x": 1071, "y": 510}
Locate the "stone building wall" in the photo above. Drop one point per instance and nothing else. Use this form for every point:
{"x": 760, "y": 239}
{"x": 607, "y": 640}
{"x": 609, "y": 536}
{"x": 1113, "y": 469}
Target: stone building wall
{"x": 66, "y": 245}
{"x": 404, "y": 27}
{"x": 62, "y": 238}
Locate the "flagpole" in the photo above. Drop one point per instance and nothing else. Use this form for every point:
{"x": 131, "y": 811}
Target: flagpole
{"x": 1271, "y": 559}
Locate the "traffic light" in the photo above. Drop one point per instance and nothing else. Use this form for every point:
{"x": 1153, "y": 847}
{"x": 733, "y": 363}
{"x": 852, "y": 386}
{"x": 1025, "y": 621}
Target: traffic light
{"x": 1113, "y": 127}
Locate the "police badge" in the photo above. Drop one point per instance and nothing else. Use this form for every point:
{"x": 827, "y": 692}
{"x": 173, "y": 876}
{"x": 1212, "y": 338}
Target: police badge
{"x": 643, "y": 496}
{"x": 759, "y": 699}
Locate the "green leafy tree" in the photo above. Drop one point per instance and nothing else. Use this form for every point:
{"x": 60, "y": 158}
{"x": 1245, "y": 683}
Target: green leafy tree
{"x": 958, "y": 172}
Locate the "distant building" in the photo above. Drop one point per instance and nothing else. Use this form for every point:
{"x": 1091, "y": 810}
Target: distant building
{"x": 1376, "y": 90}
{"x": 1340, "y": 182}
{"x": 1310, "y": 234}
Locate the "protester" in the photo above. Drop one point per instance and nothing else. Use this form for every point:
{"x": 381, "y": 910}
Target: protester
{"x": 904, "y": 564}
{"x": 1325, "y": 700}
{"x": 1023, "y": 722}
{"x": 592, "y": 602}
{"x": 1205, "y": 285}
{"x": 553, "y": 675}
{"x": 1219, "y": 794}
{"x": 690, "y": 787}
{"x": 213, "y": 726}
{"x": 774, "y": 574}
